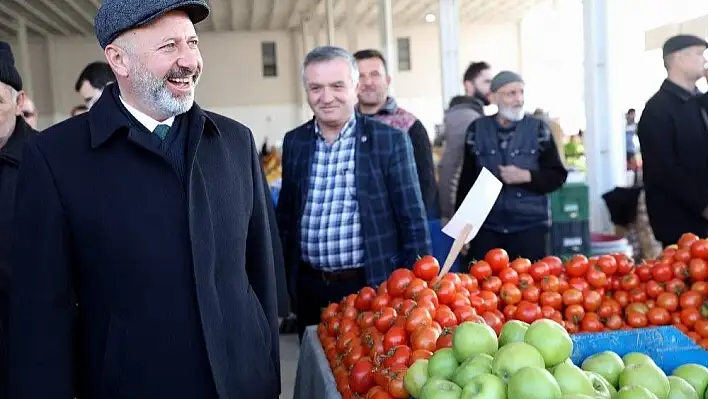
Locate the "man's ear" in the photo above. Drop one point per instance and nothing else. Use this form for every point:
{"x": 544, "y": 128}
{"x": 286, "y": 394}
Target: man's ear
{"x": 21, "y": 98}
{"x": 118, "y": 59}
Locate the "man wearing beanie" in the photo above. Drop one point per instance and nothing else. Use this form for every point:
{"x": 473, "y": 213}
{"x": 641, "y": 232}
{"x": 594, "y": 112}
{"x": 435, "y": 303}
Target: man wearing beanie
{"x": 677, "y": 202}
{"x": 14, "y": 132}
{"x": 519, "y": 150}
{"x": 149, "y": 218}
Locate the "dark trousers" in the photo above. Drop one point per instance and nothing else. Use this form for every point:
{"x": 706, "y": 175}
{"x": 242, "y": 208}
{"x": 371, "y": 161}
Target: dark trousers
{"x": 317, "y": 289}
{"x": 530, "y": 243}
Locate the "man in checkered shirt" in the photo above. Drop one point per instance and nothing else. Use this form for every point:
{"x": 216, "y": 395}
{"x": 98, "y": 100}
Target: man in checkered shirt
{"x": 350, "y": 209}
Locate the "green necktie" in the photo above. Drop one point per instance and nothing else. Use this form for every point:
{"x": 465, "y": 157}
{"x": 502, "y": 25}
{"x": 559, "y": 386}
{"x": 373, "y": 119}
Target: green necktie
{"x": 161, "y": 131}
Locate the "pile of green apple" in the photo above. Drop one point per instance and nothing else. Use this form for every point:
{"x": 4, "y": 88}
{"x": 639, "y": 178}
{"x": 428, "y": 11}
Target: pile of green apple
{"x": 533, "y": 362}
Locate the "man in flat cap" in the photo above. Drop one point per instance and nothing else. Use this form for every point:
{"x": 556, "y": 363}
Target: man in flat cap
{"x": 677, "y": 202}
{"x": 144, "y": 262}
{"x": 14, "y": 132}
{"x": 520, "y": 151}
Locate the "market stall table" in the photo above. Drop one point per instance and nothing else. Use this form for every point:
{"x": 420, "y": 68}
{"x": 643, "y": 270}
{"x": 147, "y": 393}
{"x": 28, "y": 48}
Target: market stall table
{"x": 314, "y": 379}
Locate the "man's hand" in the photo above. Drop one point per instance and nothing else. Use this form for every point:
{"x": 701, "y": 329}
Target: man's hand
{"x": 514, "y": 175}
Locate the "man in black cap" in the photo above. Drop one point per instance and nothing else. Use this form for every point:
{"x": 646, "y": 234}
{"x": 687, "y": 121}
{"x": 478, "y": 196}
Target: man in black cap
{"x": 520, "y": 151}
{"x": 91, "y": 81}
{"x": 14, "y": 132}
{"x": 152, "y": 215}
{"x": 677, "y": 202}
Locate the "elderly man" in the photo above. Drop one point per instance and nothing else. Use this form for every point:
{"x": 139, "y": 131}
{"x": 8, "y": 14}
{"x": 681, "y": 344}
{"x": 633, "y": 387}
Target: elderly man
{"x": 152, "y": 215}
{"x": 14, "y": 132}
{"x": 519, "y": 150}
{"x": 375, "y": 102}
{"x": 458, "y": 118}
{"x": 350, "y": 209}
{"x": 677, "y": 201}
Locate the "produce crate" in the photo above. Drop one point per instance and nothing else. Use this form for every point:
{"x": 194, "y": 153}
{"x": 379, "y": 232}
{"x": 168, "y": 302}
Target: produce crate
{"x": 570, "y": 203}
{"x": 667, "y": 346}
{"x": 569, "y": 238}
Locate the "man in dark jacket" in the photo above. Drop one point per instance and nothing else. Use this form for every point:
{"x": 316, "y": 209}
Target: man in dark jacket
{"x": 465, "y": 110}
{"x": 152, "y": 214}
{"x": 350, "y": 209}
{"x": 14, "y": 132}
{"x": 677, "y": 203}
{"x": 374, "y": 101}
{"x": 519, "y": 150}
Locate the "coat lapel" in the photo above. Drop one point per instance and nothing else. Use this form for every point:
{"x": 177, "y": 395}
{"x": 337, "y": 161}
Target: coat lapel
{"x": 304, "y": 157}
{"x": 362, "y": 159}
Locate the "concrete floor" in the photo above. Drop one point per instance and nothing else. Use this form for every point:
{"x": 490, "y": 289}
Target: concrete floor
{"x": 289, "y": 353}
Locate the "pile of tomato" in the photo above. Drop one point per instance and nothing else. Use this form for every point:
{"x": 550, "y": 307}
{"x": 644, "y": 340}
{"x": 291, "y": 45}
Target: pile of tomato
{"x": 372, "y": 337}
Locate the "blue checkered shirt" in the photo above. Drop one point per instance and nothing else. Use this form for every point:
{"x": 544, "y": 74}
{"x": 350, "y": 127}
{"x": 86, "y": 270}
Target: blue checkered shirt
{"x": 330, "y": 233}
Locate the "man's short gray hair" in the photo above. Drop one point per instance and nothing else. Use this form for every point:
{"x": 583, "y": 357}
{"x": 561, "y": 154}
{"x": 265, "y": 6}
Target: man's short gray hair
{"x": 329, "y": 53}
{"x": 14, "y": 94}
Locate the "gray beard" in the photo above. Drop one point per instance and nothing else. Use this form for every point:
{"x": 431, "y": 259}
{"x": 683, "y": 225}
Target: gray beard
{"x": 151, "y": 91}
{"x": 511, "y": 114}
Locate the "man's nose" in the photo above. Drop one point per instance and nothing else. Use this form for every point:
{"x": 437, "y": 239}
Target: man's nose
{"x": 189, "y": 58}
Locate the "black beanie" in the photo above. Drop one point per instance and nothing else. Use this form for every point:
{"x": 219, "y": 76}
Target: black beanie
{"x": 8, "y": 72}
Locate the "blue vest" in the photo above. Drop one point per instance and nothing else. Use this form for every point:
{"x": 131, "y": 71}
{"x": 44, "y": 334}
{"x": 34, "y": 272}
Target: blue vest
{"x": 516, "y": 209}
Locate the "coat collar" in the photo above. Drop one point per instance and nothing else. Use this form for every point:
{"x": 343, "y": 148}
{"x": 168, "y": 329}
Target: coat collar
{"x": 677, "y": 90}
{"x": 105, "y": 117}
{"x": 13, "y": 148}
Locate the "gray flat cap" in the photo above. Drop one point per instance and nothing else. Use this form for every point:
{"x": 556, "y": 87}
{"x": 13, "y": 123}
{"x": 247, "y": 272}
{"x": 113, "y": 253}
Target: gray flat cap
{"x": 117, "y": 16}
{"x": 680, "y": 42}
{"x": 503, "y": 78}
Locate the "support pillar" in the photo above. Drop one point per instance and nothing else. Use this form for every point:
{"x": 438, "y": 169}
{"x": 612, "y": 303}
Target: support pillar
{"x": 388, "y": 44}
{"x": 329, "y": 11}
{"x": 604, "y": 136}
{"x": 351, "y": 21}
{"x": 304, "y": 108}
{"x": 449, "y": 22}
{"x": 23, "y": 57}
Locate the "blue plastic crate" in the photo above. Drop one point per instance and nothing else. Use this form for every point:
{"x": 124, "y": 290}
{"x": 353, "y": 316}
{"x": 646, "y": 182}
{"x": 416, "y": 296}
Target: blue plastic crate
{"x": 668, "y": 346}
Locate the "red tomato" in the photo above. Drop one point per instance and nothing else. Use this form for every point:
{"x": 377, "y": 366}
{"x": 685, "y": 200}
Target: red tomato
{"x": 555, "y": 265}
{"x": 596, "y": 277}
{"x": 591, "y": 323}
{"x": 577, "y": 266}
{"x": 531, "y": 293}
{"x": 629, "y": 282}
{"x": 510, "y": 294}
{"x": 690, "y": 299}
{"x": 676, "y": 286}
{"x": 491, "y": 300}
{"x": 521, "y": 265}
{"x": 662, "y": 272}
{"x": 592, "y": 301}
{"x": 608, "y": 264}
{"x": 659, "y": 316}
{"x": 426, "y": 268}
{"x": 465, "y": 313}
{"x": 574, "y": 313}
{"x": 525, "y": 281}
{"x": 363, "y": 300}
{"x": 468, "y": 282}
{"x": 445, "y": 291}
{"x": 395, "y": 384}
{"x": 395, "y": 336}
{"x": 416, "y": 286}
{"x": 421, "y": 354}
{"x": 384, "y": 319}
{"x": 509, "y": 275}
{"x": 550, "y": 284}
{"x": 492, "y": 284}
{"x": 497, "y": 259}
{"x": 527, "y": 311}
{"x": 539, "y": 270}
{"x": 398, "y": 356}
{"x": 329, "y": 312}
{"x": 445, "y": 338}
{"x": 481, "y": 270}
{"x": 698, "y": 270}
{"x": 494, "y": 321}
{"x": 399, "y": 281}
{"x": 418, "y": 318}
{"x": 552, "y": 299}
{"x": 624, "y": 264}
{"x": 445, "y": 316}
{"x": 425, "y": 338}
{"x": 699, "y": 249}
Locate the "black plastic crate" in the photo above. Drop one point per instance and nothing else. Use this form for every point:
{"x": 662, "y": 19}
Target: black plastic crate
{"x": 569, "y": 238}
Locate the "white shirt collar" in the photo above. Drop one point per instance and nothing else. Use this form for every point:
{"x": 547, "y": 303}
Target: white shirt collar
{"x": 144, "y": 119}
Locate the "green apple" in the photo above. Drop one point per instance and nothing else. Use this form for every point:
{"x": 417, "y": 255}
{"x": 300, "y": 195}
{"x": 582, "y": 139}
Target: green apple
{"x": 551, "y": 339}
{"x": 607, "y": 364}
{"x": 440, "y": 388}
{"x": 603, "y": 388}
{"x": 635, "y": 392}
{"x": 442, "y": 364}
{"x": 513, "y": 331}
{"x": 472, "y": 367}
{"x": 648, "y": 376}
{"x": 694, "y": 374}
{"x": 533, "y": 383}
{"x": 485, "y": 386}
{"x": 416, "y": 377}
{"x": 578, "y": 396}
{"x": 637, "y": 358}
{"x": 552, "y": 368}
{"x": 680, "y": 389}
{"x": 572, "y": 379}
{"x": 472, "y": 338}
{"x": 513, "y": 357}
